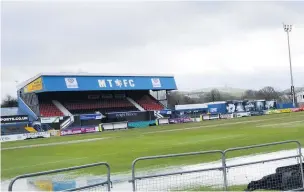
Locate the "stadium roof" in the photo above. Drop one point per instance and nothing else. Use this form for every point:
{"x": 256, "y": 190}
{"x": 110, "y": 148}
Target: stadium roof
{"x": 83, "y": 74}
{"x": 11, "y": 111}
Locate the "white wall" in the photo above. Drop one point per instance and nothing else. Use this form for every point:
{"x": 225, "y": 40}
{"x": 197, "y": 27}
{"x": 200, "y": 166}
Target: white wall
{"x": 190, "y": 106}
{"x": 300, "y": 97}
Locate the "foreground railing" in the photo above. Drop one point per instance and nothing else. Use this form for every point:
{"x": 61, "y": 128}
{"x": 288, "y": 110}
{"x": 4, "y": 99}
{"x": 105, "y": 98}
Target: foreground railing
{"x": 223, "y": 175}
{"x": 51, "y": 181}
{"x": 278, "y": 172}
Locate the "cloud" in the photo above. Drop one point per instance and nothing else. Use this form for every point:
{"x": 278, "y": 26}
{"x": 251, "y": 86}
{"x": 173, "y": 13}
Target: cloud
{"x": 222, "y": 41}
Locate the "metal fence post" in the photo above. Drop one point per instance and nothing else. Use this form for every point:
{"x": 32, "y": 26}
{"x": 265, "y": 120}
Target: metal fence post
{"x": 108, "y": 177}
{"x": 301, "y": 163}
{"x": 133, "y": 175}
{"x": 224, "y": 171}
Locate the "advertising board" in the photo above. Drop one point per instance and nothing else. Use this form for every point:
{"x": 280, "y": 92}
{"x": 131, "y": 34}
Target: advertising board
{"x": 214, "y": 116}
{"x": 257, "y": 113}
{"x": 35, "y": 85}
{"x": 49, "y": 119}
{"x": 296, "y": 109}
{"x": 211, "y": 116}
{"x": 226, "y": 116}
{"x": 91, "y": 116}
{"x": 131, "y": 116}
{"x": 75, "y": 131}
{"x": 82, "y": 83}
{"x": 14, "y": 119}
{"x": 285, "y": 110}
{"x": 5, "y": 138}
{"x": 242, "y": 114}
{"x": 36, "y": 135}
{"x": 180, "y": 120}
{"x": 16, "y": 137}
{"x": 273, "y": 111}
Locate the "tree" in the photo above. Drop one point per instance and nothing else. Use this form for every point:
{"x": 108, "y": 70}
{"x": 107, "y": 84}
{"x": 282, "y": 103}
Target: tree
{"x": 268, "y": 93}
{"x": 179, "y": 98}
{"x": 213, "y": 95}
{"x": 9, "y": 101}
{"x": 173, "y": 99}
{"x": 250, "y": 94}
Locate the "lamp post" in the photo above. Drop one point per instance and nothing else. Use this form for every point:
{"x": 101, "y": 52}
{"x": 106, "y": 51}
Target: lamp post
{"x": 287, "y": 29}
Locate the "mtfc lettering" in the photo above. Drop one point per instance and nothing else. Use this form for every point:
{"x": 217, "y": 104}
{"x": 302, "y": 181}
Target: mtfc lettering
{"x": 103, "y": 83}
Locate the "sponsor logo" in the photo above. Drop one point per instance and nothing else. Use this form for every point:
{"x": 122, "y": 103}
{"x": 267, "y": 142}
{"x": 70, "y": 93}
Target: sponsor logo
{"x": 24, "y": 136}
{"x": 93, "y": 96}
{"x": 35, "y": 135}
{"x": 213, "y": 110}
{"x": 230, "y": 108}
{"x": 107, "y": 96}
{"x": 243, "y": 114}
{"x": 4, "y": 138}
{"x": 181, "y": 120}
{"x": 256, "y": 113}
{"x": 49, "y": 119}
{"x": 119, "y": 96}
{"x": 285, "y": 110}
{"x": 90, "y": 116}
{"x": 10, "y": 119}
{"x": 71, "y": 83}
{"x": 214, "y": 116}
{"x": 226, "y": 116}
{"x": 34, "y": 86}
{"x": 156, "y": 82}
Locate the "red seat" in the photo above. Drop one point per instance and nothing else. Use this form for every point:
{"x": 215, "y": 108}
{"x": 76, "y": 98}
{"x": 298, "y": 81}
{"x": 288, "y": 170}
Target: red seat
{"x": 49, "y": 110}
{"x": 99, "y": 105}
{"x": 149, "y": 104}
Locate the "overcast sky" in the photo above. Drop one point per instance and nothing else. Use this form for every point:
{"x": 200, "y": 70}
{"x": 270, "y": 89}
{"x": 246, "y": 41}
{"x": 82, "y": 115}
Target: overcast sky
{"x": 204, "y": 44}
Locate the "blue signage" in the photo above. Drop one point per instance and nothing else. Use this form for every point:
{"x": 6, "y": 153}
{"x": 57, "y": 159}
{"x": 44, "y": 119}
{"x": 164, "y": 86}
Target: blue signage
{"x": 90, "y": 116}
{"x": 86, "y": 83}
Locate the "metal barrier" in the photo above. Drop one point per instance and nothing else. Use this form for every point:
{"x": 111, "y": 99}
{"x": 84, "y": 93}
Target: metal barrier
{"x": 106, "y": 183}
{"x": 274, "y": 173}
{"x": 180, "y": 179}
{"x": 255, "y": 169}
{"x": 221, "y": 176}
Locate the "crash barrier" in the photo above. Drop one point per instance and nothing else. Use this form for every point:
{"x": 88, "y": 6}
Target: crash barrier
{"x": 67, "y": 179}
{"x": 283, "y": 172}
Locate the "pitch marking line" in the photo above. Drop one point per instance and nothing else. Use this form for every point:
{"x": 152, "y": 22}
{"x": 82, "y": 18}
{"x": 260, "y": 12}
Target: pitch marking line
{"x": 47, "y": 163}
{"x": 284, "y": 123}
{"x": 216, "y": 125}
{"x": 57, "y": 143}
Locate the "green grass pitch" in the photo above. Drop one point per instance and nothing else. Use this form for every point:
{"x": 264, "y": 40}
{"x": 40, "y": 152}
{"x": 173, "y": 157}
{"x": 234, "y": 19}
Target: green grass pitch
{"x": 120, "y": 148}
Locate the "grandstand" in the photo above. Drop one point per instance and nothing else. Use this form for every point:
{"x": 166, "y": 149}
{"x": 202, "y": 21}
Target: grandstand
{"x": 89, "y": 93}
{"x": 70, "y": 97}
